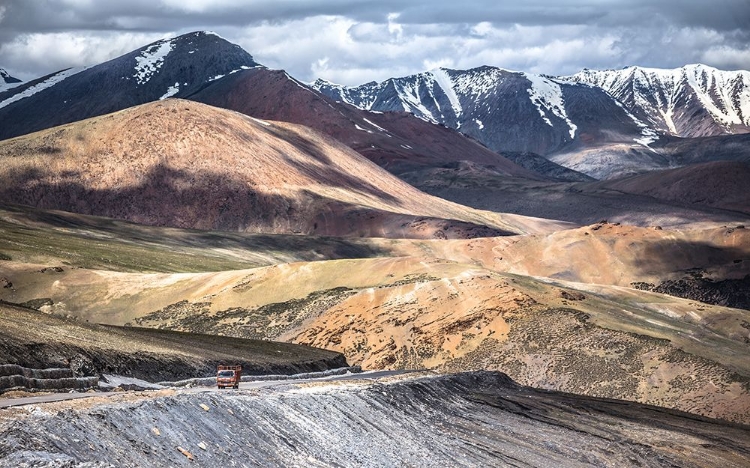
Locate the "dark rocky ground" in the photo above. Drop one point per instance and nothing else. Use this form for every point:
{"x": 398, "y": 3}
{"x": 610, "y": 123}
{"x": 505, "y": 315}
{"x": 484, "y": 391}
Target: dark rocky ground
{"x": 470, "y": 419}
{"x": 729, "y": 293}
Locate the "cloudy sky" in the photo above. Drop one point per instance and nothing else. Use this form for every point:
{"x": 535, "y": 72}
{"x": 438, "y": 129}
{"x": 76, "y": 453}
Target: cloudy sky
{"x": 355, "y": 41}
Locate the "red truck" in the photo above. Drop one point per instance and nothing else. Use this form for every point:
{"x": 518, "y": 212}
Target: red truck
{"x": 228, "y": 376}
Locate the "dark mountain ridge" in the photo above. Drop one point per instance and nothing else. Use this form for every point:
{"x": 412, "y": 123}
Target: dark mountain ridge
{"x": 171, "y": 67}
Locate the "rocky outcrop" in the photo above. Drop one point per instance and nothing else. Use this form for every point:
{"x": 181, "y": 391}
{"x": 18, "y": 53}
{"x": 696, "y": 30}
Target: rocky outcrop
{"x": 729, "y": 293}
{"x": 15, "y": 377}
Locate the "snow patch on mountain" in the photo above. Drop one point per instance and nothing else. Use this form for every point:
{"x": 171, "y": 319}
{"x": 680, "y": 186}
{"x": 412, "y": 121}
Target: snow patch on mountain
{"x": 299, "y": 83}
{"x": 151, "y": 60}
{"x": 444, "y": 81}
{"x": 243, "y": 67}
{"x": 211, "y": 33}
{"x": 409, "y": 94}
{"x": 51, "y": 81}
{"x": 546, "y": 94}
{"x": 171, "y": 91}
{"x": 649, "y": 135}
{"x": 262, "y": 122}
{"x": 478, "y": 82}
{"x": 375, "y": 125}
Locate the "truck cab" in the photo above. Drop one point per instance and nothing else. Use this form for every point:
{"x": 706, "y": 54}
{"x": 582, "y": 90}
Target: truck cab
{"x": 228, "y": 376}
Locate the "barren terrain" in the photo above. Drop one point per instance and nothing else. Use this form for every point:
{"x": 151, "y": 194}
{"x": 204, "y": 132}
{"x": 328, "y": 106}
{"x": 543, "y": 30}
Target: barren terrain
{"x": 255, "y": 221}
{"x": 522, "y": 304}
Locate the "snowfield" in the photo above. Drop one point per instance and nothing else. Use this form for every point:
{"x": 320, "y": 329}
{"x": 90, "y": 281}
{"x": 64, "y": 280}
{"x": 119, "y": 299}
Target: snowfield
{"x": 151, "y": 60}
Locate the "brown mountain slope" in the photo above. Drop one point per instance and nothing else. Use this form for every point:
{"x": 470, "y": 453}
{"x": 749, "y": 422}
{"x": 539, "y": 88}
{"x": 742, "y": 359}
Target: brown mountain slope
{"x": 184, "y": 164}
{"x": 608, "y": 254}
{"x": 397, "y": 141}
{"x": 720, "y": 184}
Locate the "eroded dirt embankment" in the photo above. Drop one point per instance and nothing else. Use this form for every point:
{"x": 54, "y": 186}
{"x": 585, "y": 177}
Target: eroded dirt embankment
{"x": 473, "y": 419}
{"x": 148, "y": 354}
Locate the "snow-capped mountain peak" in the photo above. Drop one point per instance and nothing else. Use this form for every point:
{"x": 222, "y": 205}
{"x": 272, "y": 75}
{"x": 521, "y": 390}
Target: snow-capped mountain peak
{"x": 175, "y": 67}
{"x": 694, "y": 100}
{"x": 7, "y": 81}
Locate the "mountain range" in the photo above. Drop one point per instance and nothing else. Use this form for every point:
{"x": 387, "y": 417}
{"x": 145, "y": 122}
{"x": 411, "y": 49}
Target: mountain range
{"x": 604, "y": 124}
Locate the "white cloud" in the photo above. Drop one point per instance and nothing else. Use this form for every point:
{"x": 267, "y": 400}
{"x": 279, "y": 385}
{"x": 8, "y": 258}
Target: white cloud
{"x": 56, "y": 51}
{"x": 200, "y": 6}
{"x": 348, "y": 52}
{"x": 726, "y": 58}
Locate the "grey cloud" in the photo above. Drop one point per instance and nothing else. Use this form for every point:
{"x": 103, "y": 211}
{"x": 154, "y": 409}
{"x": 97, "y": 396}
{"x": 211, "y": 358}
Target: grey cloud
{"x": 58, "y": 15}
{"x": 662, "y": 33}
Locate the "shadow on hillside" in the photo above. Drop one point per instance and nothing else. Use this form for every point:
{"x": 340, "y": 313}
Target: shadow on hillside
{"x": 671, "y": 255}
{"x": 328, "y": 174}
{"x": 694, "y": 259}
{"x": 579, "y": 203}
{"x": 208, "y": 201}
